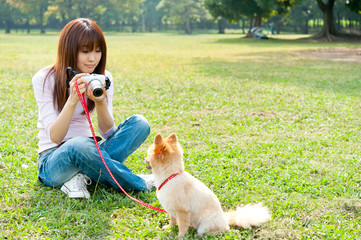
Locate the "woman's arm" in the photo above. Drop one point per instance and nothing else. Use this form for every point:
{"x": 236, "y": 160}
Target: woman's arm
{"x": 60, "y": 126}
{"x": 105, "y": 120}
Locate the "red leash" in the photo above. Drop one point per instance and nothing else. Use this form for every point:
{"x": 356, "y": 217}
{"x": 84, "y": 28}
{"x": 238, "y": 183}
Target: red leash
{"x": 83, "y": 103}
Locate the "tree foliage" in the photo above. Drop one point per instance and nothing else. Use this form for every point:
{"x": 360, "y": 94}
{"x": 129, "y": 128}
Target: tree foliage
{"x": 302, "y": 12}
{"x": 130, "y": 15}
{"x": 354, "y": 5}
{"x": 151, "y": 17}
{"x": 7, "y": 12}
{"x": 255, "y": 10}
{"x": 38, "y": 12}
{"x": 183, "y": 12}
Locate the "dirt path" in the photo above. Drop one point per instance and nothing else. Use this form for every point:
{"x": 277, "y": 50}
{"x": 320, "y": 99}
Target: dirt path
{"x": 335, "y": 54}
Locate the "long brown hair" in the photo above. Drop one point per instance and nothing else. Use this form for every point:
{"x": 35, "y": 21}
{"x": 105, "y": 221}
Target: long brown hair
{"x": 76, "y": 35}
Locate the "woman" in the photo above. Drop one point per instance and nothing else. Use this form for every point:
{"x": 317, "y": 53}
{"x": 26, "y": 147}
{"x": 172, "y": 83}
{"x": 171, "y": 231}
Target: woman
{"x": 68, "y": 157}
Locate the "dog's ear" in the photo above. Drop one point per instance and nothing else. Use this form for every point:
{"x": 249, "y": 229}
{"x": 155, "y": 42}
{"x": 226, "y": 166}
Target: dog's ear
{"x": 158, "y": 143}
{"x": 172, "y": 139}
{"x": 158, "y": 139}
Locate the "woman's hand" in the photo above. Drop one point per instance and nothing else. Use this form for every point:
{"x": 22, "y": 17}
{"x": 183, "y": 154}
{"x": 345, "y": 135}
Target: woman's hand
{"x": 85, "y": 88}
{"x": 89, "y": 94}
{"x": 82, "y": 84}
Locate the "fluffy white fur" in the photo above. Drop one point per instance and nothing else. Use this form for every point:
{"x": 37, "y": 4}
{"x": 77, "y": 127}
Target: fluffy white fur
{"x": 188, "y": 201}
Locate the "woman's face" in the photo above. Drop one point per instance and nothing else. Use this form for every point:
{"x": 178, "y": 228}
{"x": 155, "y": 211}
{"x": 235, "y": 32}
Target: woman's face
{"x": 88, "y": 59}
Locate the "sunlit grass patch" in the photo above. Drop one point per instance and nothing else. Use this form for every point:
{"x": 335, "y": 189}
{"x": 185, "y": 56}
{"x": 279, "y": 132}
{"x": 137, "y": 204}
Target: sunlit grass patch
{"x": 258, "y": 123}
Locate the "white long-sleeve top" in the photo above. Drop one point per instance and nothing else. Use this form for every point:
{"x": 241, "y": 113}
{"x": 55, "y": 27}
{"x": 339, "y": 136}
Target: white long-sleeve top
{"x": 79, "y": 125}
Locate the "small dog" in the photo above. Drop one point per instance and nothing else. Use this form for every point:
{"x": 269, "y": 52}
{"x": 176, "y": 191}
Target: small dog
{"x": 188, "y": 201}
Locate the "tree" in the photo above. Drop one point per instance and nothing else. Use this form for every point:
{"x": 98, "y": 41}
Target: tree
{"x": 272, "y": 7}
{"x": 24, "y": 7}
{"x": 7, "y": 12}
{"x": 329, "y": 31}
{"x": 255, "y": 10}
{"x": 42, "y": 7}
{"x": 183, "y": 12}
{"x": 234, "y": 10}
{"x": 120, "y": 12}
{"x": 150, "y": 15}
{"x": 301, "y": 14}
{"x": 33, "y": 9}
{"x": 64, "y": 10}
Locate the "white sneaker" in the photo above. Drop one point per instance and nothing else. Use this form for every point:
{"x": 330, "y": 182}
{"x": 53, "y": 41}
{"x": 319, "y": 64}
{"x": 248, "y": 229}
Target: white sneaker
{"x": 149, "y": 180}
{"x": 76, "y": 186}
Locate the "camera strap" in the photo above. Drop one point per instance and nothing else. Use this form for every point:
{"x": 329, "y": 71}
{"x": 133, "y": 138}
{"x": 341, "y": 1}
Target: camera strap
{"x": 83, "y": 103}
{"x": 69, "y": 72}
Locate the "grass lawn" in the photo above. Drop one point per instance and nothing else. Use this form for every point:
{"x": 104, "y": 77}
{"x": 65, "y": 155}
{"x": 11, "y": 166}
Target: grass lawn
{"x": 257, "y": 122}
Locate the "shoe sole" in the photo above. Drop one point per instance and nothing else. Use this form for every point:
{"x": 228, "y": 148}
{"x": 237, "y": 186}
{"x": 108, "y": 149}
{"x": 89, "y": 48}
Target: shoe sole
{"x": 83, "y": 194}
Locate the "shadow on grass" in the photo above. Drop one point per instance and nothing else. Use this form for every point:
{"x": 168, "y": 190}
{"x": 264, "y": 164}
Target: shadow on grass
{"x": 58, "y": 216}
{"x": 106, "y": 214}
{"x": 53, "y": 214}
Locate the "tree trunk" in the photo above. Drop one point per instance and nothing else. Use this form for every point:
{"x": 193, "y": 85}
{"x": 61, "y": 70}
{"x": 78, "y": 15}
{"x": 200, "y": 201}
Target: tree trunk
{"x": 159, "y": 24}
{"x": 7, "y": 26}
{"x": 122, "y": 26}
{"x": 278, "y": 27}
{"x": 187, "y": 21}
{"x": 328, "y": 30}
{"x": 28, "y": 25}
{"x": 243, "y": 25}
{"x": 143, "y": 22}
{"x": 258, "y": 21}
{"x": 42, "y": 27}
{"x": 134, "y": 25}
{"x": 117, "y": 26}
{"x": 150, "y": 23}
{"x": 249, "y": 34}
{"x": 221, "y": 26}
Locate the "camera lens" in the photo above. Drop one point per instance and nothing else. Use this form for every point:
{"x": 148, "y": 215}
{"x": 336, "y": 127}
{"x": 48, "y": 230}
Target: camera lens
{"x": 97, "y": 92}
{"x": 96, "y": 87}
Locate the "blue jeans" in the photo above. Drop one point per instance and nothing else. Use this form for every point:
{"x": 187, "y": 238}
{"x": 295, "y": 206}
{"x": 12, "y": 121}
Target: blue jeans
{"x": 79, "y": 154}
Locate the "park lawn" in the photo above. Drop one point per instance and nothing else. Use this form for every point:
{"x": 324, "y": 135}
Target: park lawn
{"x": 258, "y": 123}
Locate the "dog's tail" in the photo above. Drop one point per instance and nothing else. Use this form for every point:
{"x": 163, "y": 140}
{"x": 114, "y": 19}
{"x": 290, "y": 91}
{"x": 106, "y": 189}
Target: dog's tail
{"x": 248, "y": 216}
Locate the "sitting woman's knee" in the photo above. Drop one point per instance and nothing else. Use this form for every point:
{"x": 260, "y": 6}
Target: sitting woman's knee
{"x": 79, "y": 144}
{"x": 141, "y": 123}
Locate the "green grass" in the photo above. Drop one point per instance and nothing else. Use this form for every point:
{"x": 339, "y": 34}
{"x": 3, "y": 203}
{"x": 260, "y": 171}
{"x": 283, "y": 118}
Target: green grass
{"x": 257, "y": 123}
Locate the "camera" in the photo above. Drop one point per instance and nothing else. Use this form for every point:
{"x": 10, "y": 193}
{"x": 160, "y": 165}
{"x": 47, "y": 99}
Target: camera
{"x": 96, "y": 83}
